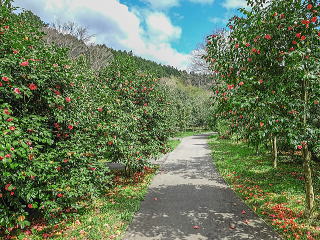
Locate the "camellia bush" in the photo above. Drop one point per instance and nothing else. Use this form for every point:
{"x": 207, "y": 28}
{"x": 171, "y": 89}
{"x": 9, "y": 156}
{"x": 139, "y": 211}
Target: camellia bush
{"x": 267, "y": 68}
{"x": 61, "y": 122}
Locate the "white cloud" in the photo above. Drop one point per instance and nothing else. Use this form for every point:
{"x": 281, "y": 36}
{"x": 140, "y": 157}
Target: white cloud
{"x": 165, "y": 4}
{"x": 147, "y": 34}
{"x": 234, "y": 4}
{"x": 219, "y": 20}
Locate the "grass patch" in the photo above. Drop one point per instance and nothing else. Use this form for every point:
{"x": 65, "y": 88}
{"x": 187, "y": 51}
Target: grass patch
{"x": 107, "y": 217}
{"x": 276, "y": 195}
{"x": 172, "y": 144}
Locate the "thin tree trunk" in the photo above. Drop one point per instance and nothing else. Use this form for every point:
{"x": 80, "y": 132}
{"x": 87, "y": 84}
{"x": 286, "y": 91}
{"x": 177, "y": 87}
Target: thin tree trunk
{"x": 307, "y": 157}
{"x": 275, "y": 152}
{"x": 308, "y": 180}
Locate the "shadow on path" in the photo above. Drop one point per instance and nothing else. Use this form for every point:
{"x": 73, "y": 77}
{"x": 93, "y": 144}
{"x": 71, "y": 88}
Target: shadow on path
{"x": 189, "y": 200}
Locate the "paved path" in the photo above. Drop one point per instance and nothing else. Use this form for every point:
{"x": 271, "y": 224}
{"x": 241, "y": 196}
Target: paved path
{"x": 189, "y": 192}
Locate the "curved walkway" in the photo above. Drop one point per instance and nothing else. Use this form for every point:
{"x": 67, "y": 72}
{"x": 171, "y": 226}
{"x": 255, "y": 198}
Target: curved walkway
{"x": 188, "y": 200}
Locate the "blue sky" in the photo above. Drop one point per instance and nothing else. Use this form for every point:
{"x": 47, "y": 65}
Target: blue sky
{"x": 166, "y": 31}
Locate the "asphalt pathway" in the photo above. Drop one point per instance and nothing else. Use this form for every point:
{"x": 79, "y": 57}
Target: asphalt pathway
{"x": 188, "y": 200}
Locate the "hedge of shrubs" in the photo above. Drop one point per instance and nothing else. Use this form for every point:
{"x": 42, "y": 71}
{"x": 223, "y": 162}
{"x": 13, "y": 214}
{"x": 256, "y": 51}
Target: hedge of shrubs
{"x": 60, "y": 122}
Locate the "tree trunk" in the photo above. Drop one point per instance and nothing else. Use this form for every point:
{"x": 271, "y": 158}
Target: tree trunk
{"x": 275, "y": 152}
{"x": 308, "y": 180}
{"x": 306, "y": 154}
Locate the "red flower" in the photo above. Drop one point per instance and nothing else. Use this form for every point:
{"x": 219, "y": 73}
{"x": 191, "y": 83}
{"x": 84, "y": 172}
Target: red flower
{"x": 261, "y": 124}
{"x": 237, "y": 45}
{"x": 303, "y": 38}
{"x": 17, "y": 91}
{"x": 268, "y": 36}
{"x": 100, "y": 109}
{"x": 314, "y": 19}
{"x": 291, "y": 49}
{"x": 70, "y": 127}
{"x": 59, "y": 195}
{"x": 57, "y": 92}
{"x": 309, "y": 7}
{"x": 6, "y": 79}
{"x": 241, "y": 83}
{"x": 12, "y": 128}
{"x": 260, "y": 81}
{"x": 32, "y": 86}
{"x": 299, "y": 147}
{"x": 290, "y": 28}
{"x": 7, "y": 156}
{"x": 231, "y": 27}
{"x": 298, "y": 35}
{"x": 1, "y": 84}
{"x": 24, "y": 64}
{"x": 319, "y": 34}
{"x": 248, "y": 44}
{"x": 6, "y": 111}
{"x": 15, "y": 51}
{"x": 316, "y": 102}
{"x": 30, "y": 206}
{"x": 294, "y": 42}
{"x": 68, "y": 99}
{"x": 6, "y": 187}
{"x": 249, "y": 59}
{"x": 1, "y": 158}
{"x": 11, "y": 193}
{"x": 230, "y": 87}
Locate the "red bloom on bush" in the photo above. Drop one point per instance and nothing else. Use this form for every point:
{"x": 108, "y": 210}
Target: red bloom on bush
{"x": 8, "y": 155}
{"x": 309, "y": 7}
{"x": 260, "y": 81}
{"x": 248, "y": 44}
{"x": 261, "y": 124}
{"x": 6, "y": 79}
{"x": 15, "y": 52}
{"x": 6, "y": 111}
{"x": 68, "y": 99}
{"x": 230, "y": 87}
{"x": 299, "y": 147}
{"x": 231, "y": 27}
{"x": 294, "y": 42}
{"x": 303, "y": 38}
{"x": 291, "y": 49}
{"x": 314, "y": 19}
{"x": 1, "y": 84}
{"x": 12, "y": 128}
{"x": 32, "y": 86}
{"x": 59, "y": 195}
{"x": 70, "y": 127}
{"x": 319, "y": 34}
{"x": 298, "y": 35}
{"x": 268, "y": 37}
{"x": 241, "y": 83}
{"x": 57, "y": 92}
{"x": 17, "y": 91}
{"x": 6, "y": 187}
{"x": 24, "y": 64}
{"x": 30, "y": 206}
{"x": 100, "y": 109}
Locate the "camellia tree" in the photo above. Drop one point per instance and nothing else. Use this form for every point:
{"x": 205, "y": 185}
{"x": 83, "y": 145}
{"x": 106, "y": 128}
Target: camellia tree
{"x": 268, "y": 66}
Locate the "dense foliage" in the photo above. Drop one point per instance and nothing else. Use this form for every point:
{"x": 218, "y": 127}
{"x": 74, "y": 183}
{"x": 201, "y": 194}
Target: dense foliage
{"x": 62, "y": 121}
{"x": 268, "y": 89}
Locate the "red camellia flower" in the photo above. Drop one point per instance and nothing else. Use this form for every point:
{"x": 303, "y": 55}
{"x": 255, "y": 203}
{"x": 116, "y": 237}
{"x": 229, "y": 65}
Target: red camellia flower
{"x": 32, "y": 86}
{"x": 260, "y": 81}
{"x": 268, "y": 36}
{"x": 248, "y": 44}
{"x": 1, "y": 84}
{"x": 15, "y": 52}
{"x": 319, "y": 34}
{"x": 294, "y": 42}
{"x": 303, "y": 38}
{"x": 299, "y": 147}
{"x": 100, "y": 109}
{"x": 12, "y": 128}
{"x": 30, "y": 206}
{"x": 6, "y": 187}
{"x": 17, "y": 91}
{"x": 24, "y": 64}
{"x": 11, "y": 193}
{"x": 261, "y": 124}
{"x": 241, "y": 83}
{"x": 291, "y": 49}
{"x": 290, "y": 28}
{"x": 6, "y": 111}
{"x": 7, "y": 156}
{"x": 309, "y": 7}
{"x": 231, "y": 27}
{"x": 237, "y": 45}
{"x": 6, "y": 79}
{"x": 230, "y": 87}
{"x": 70, "y": 127}
{"x": 298, "y": 35}
{"x": 68, "y": 99}
{"x": 314, "y": 19}
{"x": 59, "y": 195}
